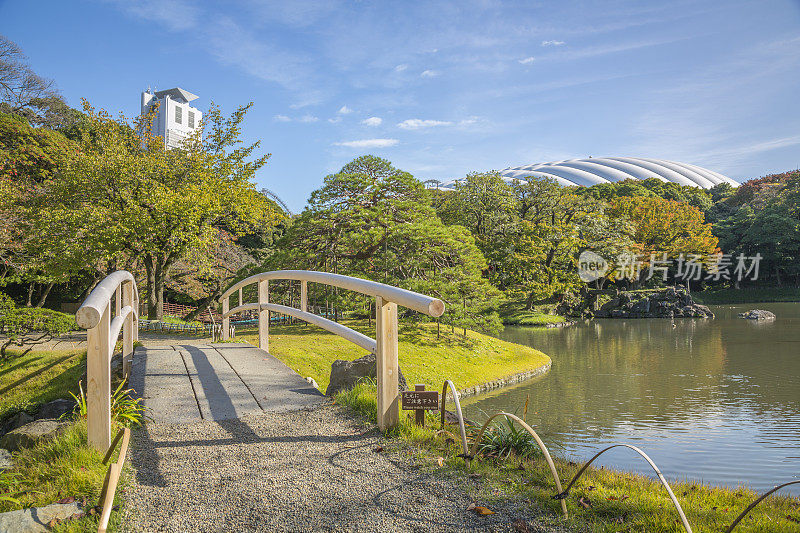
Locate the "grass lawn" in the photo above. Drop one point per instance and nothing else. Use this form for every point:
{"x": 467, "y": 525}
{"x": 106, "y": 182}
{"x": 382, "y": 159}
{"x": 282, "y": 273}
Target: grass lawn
{"x": 39, "y": 377}
{"x": 424, "y": 358}
{"x": 515, "y": 314}
{"x": 619, "y": 501}
{"x": 749, "y": 295}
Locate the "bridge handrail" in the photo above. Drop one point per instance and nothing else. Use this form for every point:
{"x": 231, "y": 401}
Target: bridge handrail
{"x": 95, "y": 315}
{"x": 387, "y": 298}
{"x": 413, "y": 300}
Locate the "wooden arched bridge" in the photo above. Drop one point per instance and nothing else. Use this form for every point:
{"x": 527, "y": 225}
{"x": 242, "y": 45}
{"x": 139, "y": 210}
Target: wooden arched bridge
{"x": 184, "y": 382}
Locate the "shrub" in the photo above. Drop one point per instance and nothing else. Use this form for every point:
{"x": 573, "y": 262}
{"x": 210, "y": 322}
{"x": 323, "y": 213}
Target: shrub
{"x": 30, "y": 325}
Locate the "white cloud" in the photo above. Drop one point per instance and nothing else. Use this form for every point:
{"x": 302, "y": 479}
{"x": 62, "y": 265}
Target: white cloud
{"x": 552, "y": 43}
{"x": 281, "y": 118}
{"x": 372, "y": 121}
{"x": 416, "y": 123}
{"x": 369, "y": 143}
{"x": 334, "y": 120}
{"x": 400, "y": 68}
{"x": 308, "y": 119}
{"x": 527, "y": 60}
{"x": 344, "y": 110}
{"x": 429, "y": 73}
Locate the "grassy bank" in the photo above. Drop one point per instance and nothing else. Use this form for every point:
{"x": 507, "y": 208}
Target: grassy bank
{"x": 614, "y": 501}
{"x": 515, "y": 314}
{"x": 39, "y": 377}
{"x": 424, "y": 357}
{"x": 65, "y": 467}
{"x": 749, "y": 295}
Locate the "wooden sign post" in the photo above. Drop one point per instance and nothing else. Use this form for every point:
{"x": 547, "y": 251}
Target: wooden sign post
{"x": 420, "y": 400}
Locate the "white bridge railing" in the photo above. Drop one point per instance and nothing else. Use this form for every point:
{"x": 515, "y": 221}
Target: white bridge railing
{"x": 95, "y": 315}
{"x": 387, "y": 298}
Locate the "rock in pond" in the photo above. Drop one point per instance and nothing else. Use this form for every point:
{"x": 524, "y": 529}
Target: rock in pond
{"x": 31, "y": 433}
{"x": 757, "y": 314}
{"x": 345, "y": 374}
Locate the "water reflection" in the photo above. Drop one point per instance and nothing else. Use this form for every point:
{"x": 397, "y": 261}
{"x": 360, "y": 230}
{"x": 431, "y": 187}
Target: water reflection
{"x": 716, "y": 400}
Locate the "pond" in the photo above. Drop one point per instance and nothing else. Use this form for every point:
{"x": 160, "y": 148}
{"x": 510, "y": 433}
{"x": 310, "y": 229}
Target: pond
{"x": 715, "y": 400}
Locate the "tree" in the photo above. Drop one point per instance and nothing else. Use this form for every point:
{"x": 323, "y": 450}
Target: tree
{"x": 29, "y": 159}
{"x": 374, "y": 221}
{"x": 664, "y": 226}
{"x": 126, "y": 198}
{"x": 25, "y": 93}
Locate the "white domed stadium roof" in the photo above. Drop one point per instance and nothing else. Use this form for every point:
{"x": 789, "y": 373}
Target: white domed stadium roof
{"x": 591, "y": 171}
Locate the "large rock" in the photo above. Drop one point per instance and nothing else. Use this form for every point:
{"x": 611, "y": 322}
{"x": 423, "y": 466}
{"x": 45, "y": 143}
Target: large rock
{"x": 5, "y": 460}
{"x": 31, "y": 433}
{"x": 36, "y": 519}
{"x": 15, "y": 421}
{"x": 757, "y": 314}
{"x": 345, "y": 374}
{"x": 55, "y": 409}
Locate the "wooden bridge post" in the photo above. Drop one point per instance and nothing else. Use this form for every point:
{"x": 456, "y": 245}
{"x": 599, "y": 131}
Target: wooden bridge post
{"x": 128, "y": 329}
{"x": 263, "y": 315}
{"x": 98, "y": 382}
{"x": 303, "y": 295}
{"x": 387, "y": 363}
{"x": 226, "y": 321}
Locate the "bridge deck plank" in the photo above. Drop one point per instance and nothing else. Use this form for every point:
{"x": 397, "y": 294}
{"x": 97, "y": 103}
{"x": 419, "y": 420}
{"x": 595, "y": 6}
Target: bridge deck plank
{"x": 181, "y": 383}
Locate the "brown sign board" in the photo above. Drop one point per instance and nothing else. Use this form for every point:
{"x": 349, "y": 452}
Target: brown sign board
{"x": 420, "y": 400}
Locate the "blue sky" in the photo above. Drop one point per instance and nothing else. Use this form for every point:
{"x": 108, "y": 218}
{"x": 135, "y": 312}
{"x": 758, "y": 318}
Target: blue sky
{"x": 441, "y": 89}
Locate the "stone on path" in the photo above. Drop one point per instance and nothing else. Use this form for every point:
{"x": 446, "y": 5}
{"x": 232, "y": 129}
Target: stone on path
{"x": 35, "y": 519}
{"x": 345, "y": 374}
{"x": 31, "y": 433}
{"x": 757, "y": 314}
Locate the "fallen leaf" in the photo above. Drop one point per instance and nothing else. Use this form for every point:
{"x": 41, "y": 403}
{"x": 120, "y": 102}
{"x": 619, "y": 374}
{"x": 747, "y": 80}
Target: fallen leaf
{"x": 585, "y": 502}
{"x": 623, "y": 497}
{"x": 521, "y": 526}
{"x": 379, "y": 449}
{"x": 610, "y": 498}
{"x": 68, "y": 499}
{"x": 471, "y": 506}
{"x": 440, "y": 460}
{"x": 483, "y": 511}
{"x": 475, "y": 476}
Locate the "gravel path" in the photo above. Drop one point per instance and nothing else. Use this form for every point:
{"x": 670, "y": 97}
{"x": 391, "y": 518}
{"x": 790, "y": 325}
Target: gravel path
{"x": 311, "y": 470}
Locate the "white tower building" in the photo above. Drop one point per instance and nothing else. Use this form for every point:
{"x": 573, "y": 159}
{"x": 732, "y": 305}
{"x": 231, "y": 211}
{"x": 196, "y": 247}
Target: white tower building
{"x": 175, "y": 119}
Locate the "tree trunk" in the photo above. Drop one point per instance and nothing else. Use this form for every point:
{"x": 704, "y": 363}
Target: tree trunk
{"x": 151, "y": 288}
{"x": 31, "y": 288}
{"x": 45, "y": 292}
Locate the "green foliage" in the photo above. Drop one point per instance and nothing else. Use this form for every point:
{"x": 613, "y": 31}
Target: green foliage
{"x": 126, "y": 410}
{"x": 507, "y": 438}
{"x": 374, "y": 221}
